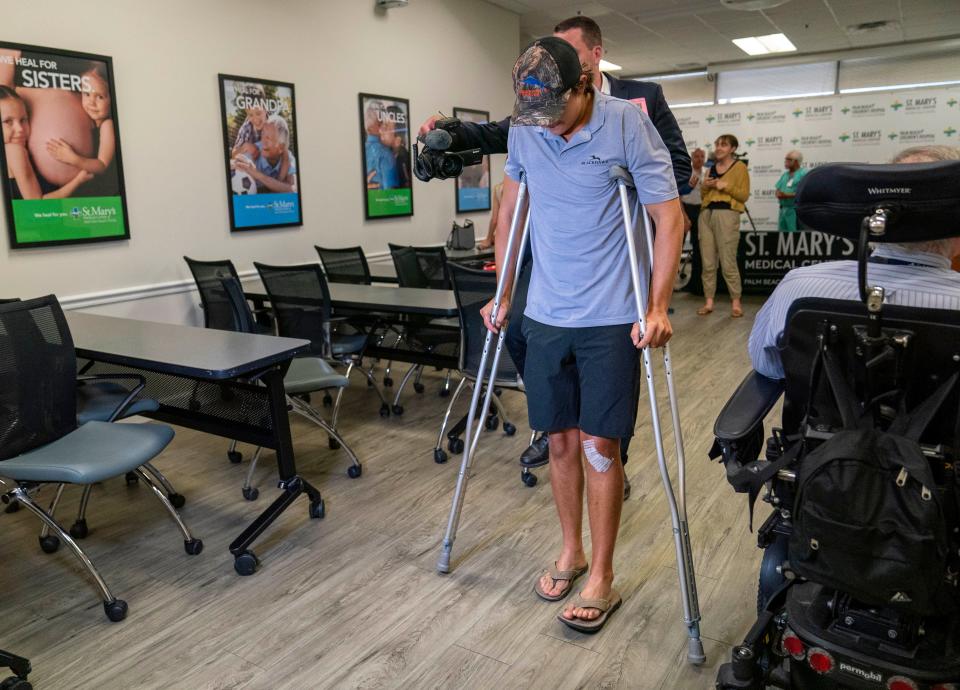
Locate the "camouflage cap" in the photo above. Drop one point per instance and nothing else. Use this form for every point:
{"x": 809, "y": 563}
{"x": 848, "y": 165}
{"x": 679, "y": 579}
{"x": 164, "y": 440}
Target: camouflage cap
{"x": 542, "y": 78}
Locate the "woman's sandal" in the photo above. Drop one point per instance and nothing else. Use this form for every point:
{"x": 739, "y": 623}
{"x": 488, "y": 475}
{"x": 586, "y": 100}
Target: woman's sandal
{"x": 703, "y": 311}
{"x": 606, "y": 607}
{"x": 570, "y": 576}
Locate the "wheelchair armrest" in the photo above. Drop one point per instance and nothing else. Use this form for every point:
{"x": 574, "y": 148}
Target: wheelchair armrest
{"x": 754, "y": 398}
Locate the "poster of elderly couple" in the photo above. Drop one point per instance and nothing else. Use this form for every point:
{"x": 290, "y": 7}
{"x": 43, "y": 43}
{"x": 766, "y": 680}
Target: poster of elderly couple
{"x": 260, "y": 144}
{"x": 62, "y": 171}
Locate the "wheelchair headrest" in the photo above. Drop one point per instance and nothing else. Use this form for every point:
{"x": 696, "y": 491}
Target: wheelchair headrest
{"x": 924, "y": 199}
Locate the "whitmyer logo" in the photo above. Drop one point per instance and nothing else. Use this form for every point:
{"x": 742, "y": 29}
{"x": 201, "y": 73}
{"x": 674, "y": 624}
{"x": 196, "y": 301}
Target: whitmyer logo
{"x": 594, "y": 160}
{"x": 862, "y": 673}
{"x": 889, "y": 190}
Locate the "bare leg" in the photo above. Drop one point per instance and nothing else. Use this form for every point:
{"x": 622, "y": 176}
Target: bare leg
{"x": 604, "y": 501}
{"x": 566, "y": 480}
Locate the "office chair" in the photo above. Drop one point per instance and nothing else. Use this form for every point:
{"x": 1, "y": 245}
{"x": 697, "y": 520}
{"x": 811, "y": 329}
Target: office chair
{"x": 473, "y": 288}
{"x": 305, "y": 375}
{"x": 424, "y": 268}
{"x": 40, "y": 442}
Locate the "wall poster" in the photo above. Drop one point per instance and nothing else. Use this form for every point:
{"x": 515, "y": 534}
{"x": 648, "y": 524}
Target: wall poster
{"x": 385, "y": 148}
{"x": 473, "y": 184}
{"x": 260, "y": 148}
{"x": 61, "y": 162}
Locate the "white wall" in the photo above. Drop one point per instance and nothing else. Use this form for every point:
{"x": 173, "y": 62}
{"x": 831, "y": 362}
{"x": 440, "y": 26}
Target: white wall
{"x": 437, "y": 53}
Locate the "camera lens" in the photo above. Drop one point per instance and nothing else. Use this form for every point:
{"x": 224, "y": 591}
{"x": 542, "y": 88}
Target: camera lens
{"x": 450, "y": 166}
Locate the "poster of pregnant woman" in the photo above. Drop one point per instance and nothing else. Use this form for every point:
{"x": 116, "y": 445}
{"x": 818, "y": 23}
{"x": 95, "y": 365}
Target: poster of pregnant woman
{"x": 61, "y": 163}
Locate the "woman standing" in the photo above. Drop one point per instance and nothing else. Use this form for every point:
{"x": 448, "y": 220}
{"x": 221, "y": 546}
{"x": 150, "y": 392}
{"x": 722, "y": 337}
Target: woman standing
{"x": 724, "y": 191}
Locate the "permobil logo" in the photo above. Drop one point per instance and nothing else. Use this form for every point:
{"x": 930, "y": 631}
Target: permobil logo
{"x": 889, "y": 190}
{"x": 872, "y": 676}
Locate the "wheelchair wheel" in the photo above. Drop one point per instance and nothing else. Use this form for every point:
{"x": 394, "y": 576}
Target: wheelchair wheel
{"x": 771, "y": 579}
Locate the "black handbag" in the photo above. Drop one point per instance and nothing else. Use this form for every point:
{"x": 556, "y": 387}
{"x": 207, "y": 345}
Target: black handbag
{"x": 462, "y": 236}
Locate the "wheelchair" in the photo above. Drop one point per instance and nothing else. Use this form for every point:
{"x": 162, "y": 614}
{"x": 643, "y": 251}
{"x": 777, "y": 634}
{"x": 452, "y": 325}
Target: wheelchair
{"x": 814, "y": 630}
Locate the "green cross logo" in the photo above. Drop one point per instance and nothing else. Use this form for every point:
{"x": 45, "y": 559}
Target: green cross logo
{"x": 892, "y": 136}
{"x": 896, "y": 105}
{"x": 794, "y": 141}
{"x": 843, "y": 137}
{"x": 952, "y": 102}
{"x": 844, "y": 110}
{"x": 750, "y": 142}
{"x": 710, "y": 118}
{"x": 949, "y": 131}
{"x": 797, "y": 112}
{"x": 751, "y": 116}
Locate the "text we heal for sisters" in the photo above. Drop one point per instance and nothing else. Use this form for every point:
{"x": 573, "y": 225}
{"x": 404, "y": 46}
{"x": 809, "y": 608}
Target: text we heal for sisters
{"x": 40, "y": 73}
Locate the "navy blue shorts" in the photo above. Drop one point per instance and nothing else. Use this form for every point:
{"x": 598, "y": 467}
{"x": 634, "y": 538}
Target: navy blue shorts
{"x": 582, "y": 378}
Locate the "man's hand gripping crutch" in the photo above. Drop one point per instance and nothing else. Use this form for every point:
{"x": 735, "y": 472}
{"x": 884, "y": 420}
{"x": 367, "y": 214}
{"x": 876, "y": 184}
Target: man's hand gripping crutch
{"x": 509, "y": 260}
{"x": 651, "y": 333}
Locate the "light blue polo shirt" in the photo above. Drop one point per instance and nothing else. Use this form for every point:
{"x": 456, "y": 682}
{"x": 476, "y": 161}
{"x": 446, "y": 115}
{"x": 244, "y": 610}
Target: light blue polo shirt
{"x": 581, "y": 272}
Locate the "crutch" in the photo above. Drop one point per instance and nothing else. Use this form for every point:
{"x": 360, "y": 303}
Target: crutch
{"x": 470, "y": 443}
{"x": 678, "y": 508}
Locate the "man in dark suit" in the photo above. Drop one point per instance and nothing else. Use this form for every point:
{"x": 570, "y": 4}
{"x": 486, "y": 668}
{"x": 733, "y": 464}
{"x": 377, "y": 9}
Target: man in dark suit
{"x": 584, "y": 35}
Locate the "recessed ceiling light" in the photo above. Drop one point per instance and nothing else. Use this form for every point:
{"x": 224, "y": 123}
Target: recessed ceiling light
{"x": 609, "y": 66}
{"x": 761, "y": 45}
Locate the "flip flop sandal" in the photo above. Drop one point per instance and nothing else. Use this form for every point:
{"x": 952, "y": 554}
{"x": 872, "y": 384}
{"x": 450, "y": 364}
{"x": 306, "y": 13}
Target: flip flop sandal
{"x": 703, "y": 311}
{"x": 569, "y": 575}
{"x": 605, "y": 606}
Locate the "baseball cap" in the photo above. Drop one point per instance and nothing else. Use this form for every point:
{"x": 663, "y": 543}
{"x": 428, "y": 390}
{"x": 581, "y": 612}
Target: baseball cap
{"x": 542, "y": 78}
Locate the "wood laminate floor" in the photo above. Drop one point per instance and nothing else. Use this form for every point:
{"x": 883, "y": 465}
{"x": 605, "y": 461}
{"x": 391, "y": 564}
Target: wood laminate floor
{"x": 353, "y": 600}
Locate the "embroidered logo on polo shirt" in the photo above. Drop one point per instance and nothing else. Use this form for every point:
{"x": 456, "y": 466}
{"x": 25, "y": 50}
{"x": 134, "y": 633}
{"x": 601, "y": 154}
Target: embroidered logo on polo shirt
{"x": 595, "y": 160}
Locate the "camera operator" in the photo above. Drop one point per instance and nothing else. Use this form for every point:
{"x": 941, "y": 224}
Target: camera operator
{"x": 584, "y": 35}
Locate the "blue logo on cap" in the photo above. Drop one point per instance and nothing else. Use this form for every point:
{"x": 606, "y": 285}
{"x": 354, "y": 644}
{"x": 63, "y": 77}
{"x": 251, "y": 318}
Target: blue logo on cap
{"x": 531, "y": 80}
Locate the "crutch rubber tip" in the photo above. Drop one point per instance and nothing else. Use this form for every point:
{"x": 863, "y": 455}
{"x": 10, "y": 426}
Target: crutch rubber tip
{"x": 443, "y": 563}
{"x": 695, "y": 653}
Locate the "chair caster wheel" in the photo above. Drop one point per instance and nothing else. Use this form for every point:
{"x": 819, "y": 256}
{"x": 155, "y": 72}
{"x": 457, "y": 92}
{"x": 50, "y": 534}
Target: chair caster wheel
{"x": 116, "y": 610}
{"x": 193, "y": 546}
{"x": 246, "y": 563}
{"x": 387, "y": 382}
{"x": 529, "y": 479}
{"x": 78, "y": 530}
{"x": 177, "y": 500}
{"x": 14, "y": 683}
{"x": 327, "y": 400}
{"x": 235, "y": 456}
{"x": 49, "y": 543}
{"x": 509, "y": 429}
{"x": 354, "y": 471}
{"x": 131, "y": 478}
{"x": 444, "y": 393}
{"x": 318, "y": 509}
{"x": 251, "y": 493}
{"x": 12, "y": 507}
{"x": 491, "y": 423}
{"x": 333, "y": 444}
{"x": 398, "y": 410}
{"x": 455, "y": 445}
{"x": 384, "y": 410}
{"x": 439, "y": 456}
{"x": 419, "y": 387}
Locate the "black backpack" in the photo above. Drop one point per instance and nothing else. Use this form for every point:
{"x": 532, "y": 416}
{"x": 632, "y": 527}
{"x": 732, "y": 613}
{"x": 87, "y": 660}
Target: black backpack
{"x": 869, "y": 518}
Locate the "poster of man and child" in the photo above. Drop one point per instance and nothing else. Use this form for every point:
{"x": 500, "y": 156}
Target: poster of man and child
{"x": 62, "y": 169}
{"x": 260, "y": 142}
{"x": 385, "y": 144}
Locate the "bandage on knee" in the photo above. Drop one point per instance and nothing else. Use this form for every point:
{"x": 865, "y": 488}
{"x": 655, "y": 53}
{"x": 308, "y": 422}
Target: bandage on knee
{"x": 597, "y": 460}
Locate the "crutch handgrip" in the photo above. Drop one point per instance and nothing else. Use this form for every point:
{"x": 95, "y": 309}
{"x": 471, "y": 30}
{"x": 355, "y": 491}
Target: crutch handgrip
{"x": 618, "y": 173}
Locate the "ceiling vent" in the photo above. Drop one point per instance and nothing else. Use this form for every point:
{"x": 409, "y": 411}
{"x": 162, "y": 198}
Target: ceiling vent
{"x": 872, "y": 27}
{"x": 752, "y": 5}
{"x": 387, "y": 4}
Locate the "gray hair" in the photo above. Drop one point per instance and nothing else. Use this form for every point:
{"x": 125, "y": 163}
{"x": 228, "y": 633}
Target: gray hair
{"x": 283, "y": 130}
{"x": 796, "y": 155}
{"x": 931, "y": 154}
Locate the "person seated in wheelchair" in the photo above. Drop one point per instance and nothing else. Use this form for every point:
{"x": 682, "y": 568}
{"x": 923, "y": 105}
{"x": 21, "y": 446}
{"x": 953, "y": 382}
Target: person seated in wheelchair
{"x": 859, "y": 583}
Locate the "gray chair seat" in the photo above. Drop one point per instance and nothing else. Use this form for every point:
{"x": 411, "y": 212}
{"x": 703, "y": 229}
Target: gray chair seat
{"x": 94, "y": 452}
{"x": 347, "y": 344}
{"x": 98, "y": 400}
{"x": 308, "y": 374}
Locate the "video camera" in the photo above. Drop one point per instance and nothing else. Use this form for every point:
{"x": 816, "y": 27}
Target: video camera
{"x": 437, "y": 160}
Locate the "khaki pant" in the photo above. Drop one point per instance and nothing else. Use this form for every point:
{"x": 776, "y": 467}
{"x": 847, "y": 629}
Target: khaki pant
{"x": 719, "y": 230}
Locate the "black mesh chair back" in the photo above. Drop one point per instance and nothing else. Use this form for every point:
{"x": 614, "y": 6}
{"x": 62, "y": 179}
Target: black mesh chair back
{"x": 473, "y": 288}
{"x": 301, "y": 303}
{"x": 38, "y": 368}
{"x": 243, "y": 319}
{"x": 346, "y": 265}
{"x": 217, "y": 312}
{"x": 433, "y": 265}
{"x": 934, "y": 336}
{"x": 407, "y": 265}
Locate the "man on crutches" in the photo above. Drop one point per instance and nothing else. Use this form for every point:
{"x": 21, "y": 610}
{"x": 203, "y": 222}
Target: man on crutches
{"x": 581, "y": 318}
